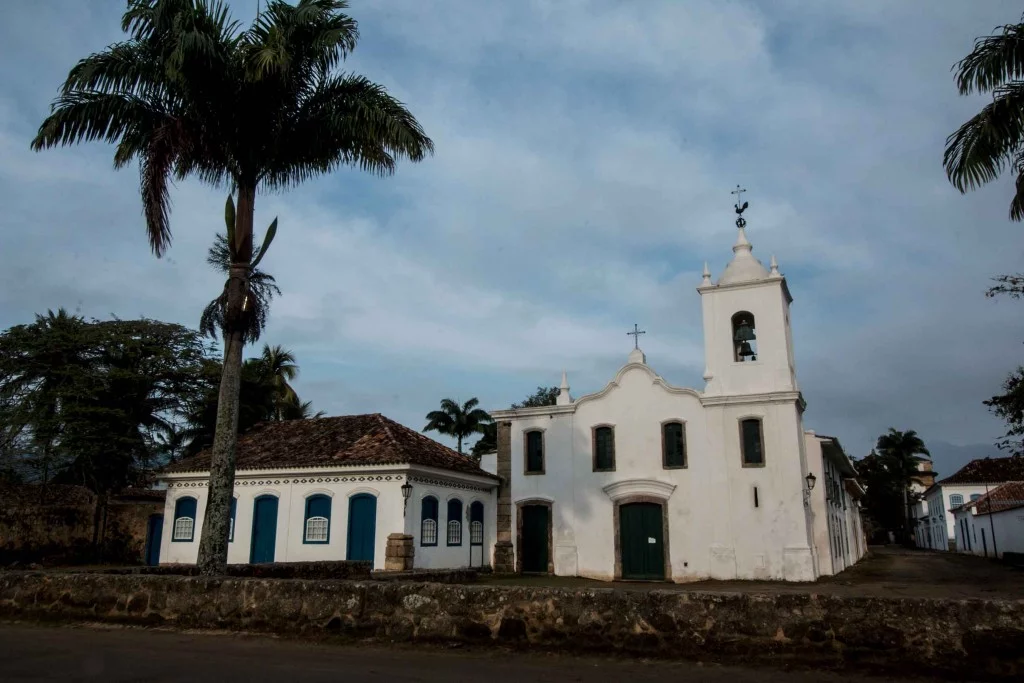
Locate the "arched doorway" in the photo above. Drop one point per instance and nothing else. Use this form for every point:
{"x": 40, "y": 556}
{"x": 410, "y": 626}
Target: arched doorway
{"x": 641, "y": 537}
{"x": 362, "y": 527}
{"x": 534, "y": 538}
{"x": 154, "y": 531}
{"x": 476, "y": 534}
{"x": 264, "y": 529}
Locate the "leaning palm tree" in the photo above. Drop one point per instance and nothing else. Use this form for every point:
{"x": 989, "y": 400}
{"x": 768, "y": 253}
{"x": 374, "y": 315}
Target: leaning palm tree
{"x": 191, "y": 94}
{"x": 901, "y": 452}
{"x": 992, "y": 141}
{"x": 458, "y": 421}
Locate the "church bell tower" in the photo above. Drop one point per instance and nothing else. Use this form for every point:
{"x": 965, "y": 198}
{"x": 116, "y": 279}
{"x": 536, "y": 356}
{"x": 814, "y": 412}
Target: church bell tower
{"x": 748, "y": 344}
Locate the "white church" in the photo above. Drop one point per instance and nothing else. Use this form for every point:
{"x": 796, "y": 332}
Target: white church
{"x": 641, "y": 480}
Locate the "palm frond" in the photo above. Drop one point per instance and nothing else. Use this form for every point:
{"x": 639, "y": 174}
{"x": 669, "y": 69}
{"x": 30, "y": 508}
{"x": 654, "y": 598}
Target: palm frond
{"x": 994, "y": 61}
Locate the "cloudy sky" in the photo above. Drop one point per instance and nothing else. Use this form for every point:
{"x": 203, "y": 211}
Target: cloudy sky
{"x": 585, "y": 154}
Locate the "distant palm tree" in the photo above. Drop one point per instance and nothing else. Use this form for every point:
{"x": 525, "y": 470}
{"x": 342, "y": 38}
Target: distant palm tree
{"x": 193, "y": 94}
{"x": 992, "y": 140}
{"x": 279, "y": 365}
{"x": 458, "y": 421}
{"x": 900, "y": 453}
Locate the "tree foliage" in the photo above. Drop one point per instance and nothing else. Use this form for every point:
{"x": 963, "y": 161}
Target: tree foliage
{"x": 95, "y": 402}
{"x": 544, "y": 396}
{"x": 1009, "y": 406}
{"x": 459, "y": 421}
{"x": 992, "y": 141}
{"x": 887, "y": 474}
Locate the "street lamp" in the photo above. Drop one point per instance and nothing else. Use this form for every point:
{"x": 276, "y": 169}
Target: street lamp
{"x": 811, "y": 479}
{"x": 406, "y": 492}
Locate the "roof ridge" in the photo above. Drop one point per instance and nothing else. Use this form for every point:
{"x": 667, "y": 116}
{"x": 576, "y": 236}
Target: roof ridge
{"x": 387, "y": 430}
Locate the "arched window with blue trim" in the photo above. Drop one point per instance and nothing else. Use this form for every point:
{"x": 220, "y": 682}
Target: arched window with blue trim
{"x": 318, "y": 519}
{"x": 231, "y": 527}
{"x": 428, "y": 521}
{"x": 476, "y": 523}
{"x": 454, "y": 522}
{"x": 184, "y": 520}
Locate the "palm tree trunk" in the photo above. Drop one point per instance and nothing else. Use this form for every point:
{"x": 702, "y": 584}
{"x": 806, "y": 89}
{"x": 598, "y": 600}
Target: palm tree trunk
{"x": 213, "y": 544}
{"x": 906, "y": 516}
{"x": 460, "y": 444}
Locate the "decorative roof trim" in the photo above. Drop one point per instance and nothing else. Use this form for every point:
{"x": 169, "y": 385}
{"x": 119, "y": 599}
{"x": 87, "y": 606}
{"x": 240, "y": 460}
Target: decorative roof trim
{"x": 537, "y": 411}
{"x": 639, "y": 487}
{"x": 739, "y": 399}
{"x": 656, "y": 379}
{"x": 703, "y": 289}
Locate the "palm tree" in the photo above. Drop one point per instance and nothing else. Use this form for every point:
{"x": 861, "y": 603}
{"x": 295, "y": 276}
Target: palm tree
{"x": 191, "y": 94}
{"x": 279, "y": 365}
{"x": 458, "y": 421}
{"x": 262, "y": 288}
{"x": 993, "y": 140}
{"x": 901, "y": 452}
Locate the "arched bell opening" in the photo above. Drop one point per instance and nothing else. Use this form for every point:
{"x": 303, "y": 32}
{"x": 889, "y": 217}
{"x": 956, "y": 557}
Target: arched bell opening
{"x": 744, "y": 337}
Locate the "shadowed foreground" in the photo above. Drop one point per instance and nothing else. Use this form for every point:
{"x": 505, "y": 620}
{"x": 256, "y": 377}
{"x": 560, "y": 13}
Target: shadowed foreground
{"x": 36, "y": 653}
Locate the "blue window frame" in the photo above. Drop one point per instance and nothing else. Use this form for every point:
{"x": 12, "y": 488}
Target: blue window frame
{"x": 956, "y": 500}
{"x": 317, "y": 528}
{"x": 454, "y": 522}
{"x": 231, "y": 527}
{"x": 476, "y": 523}
{"x": 428, "y": 521}
{"x": 184, "y": 527}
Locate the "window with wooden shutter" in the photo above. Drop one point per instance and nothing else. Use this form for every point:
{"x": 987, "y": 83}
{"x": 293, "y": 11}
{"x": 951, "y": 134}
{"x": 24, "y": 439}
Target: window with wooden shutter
{"x": 428, "y": 521}
{"x": 673, "y": 444}
{"x": 604, "y": 449}
{"x": 535, "y": 452}
{"x": 752, "y": 442}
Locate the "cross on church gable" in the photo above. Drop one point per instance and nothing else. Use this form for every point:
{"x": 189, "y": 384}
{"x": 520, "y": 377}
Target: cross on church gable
{"x": 635, "y": 334}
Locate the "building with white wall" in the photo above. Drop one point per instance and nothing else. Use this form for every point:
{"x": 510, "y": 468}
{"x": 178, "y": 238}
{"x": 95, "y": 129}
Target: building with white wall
{"x": 646, "y": 480}
{"x": 332, "y": 489}
{"x": 936, "y": 528}
{"x": 992, "y": 524}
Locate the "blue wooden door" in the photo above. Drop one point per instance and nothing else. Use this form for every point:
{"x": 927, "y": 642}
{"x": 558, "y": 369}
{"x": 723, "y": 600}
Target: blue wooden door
{"x": 154, "y": 530}
{"x": 264, "y": 529}
{"x": 362, "y": 527}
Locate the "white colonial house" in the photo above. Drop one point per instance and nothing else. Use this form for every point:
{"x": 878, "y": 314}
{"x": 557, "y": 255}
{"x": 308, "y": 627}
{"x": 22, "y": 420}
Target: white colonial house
{"x": 646, "y": 480}
{"x": 335, "y": 488}
{"x": 936, "y": 527}
{"x": 993, "y": 524}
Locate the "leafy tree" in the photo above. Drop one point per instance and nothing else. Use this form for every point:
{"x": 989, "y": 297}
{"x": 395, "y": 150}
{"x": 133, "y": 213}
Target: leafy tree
{"x": 900, "y": 454}
{"x": 488, "y": 441}
{"x": 458, "y": 421}
{"x": 1009, "y": 406}
{"x": 991, "y": 141}
{"x": 544, "y": 396}
{"x": 192, "y": 94}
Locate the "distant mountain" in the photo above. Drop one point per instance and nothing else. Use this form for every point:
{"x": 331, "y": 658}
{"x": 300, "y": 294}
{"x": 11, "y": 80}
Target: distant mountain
{"x": 947, "y": 458}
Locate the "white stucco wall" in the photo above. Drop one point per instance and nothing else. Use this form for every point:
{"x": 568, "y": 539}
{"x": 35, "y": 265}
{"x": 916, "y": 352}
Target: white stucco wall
{"x": 835, "y": 516}
{"x": 443, "y": 555}
{"x": 714, "y": 529}
{"x": 292, "y": 488}
{"x": 1007, "y": 527}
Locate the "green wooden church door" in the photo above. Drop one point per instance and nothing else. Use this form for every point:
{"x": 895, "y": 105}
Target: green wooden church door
{"x": 534, "y": 548}
{"x": 641, "y": 541}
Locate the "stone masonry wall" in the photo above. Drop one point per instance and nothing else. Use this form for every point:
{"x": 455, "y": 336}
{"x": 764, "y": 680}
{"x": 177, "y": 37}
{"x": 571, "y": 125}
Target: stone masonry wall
{"x": 982, "y": 638}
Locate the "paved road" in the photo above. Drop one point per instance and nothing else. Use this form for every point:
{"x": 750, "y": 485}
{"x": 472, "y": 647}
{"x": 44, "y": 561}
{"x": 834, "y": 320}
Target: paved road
{"x": 38, "y": 653}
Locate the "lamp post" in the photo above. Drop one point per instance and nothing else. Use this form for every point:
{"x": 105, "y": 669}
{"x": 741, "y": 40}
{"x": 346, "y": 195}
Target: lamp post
{"x": 406, "y": 492}
{"x": 811, "y": 480}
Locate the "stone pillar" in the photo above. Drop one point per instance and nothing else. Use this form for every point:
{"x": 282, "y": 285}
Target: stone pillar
{"x": 399, "y": 553}
{"x": 504, "y": 560}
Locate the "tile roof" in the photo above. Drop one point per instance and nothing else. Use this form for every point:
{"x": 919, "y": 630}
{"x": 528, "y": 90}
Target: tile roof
{"x": 988, "y": 471}
{"x": 335, "y": 441}
{"x": 1009, "y": 496}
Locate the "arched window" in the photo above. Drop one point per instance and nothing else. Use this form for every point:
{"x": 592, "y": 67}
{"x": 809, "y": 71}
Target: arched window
{"x": 744, "y": 338}
{"x": 956, "y": 500}
{"x": 673, "y": 445}
{"x": 476, "y": 523}
{"x": 454, "y": 522}
{"x": 184, "y": 520}
{"x": 318, "y": 519}
{"x": 534, "y": 452}
{"x": 428, "y": 521}
{"x": 752, "y": 442}
{"x": 604, "y": 449}
{"x": 231, "y": 524}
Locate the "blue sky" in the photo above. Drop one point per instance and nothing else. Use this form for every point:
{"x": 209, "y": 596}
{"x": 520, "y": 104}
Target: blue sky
{"x": 585, "y": 154}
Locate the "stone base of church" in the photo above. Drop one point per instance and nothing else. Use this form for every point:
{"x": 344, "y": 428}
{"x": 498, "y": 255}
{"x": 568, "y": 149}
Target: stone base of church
{"x": 504, "y": 558}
